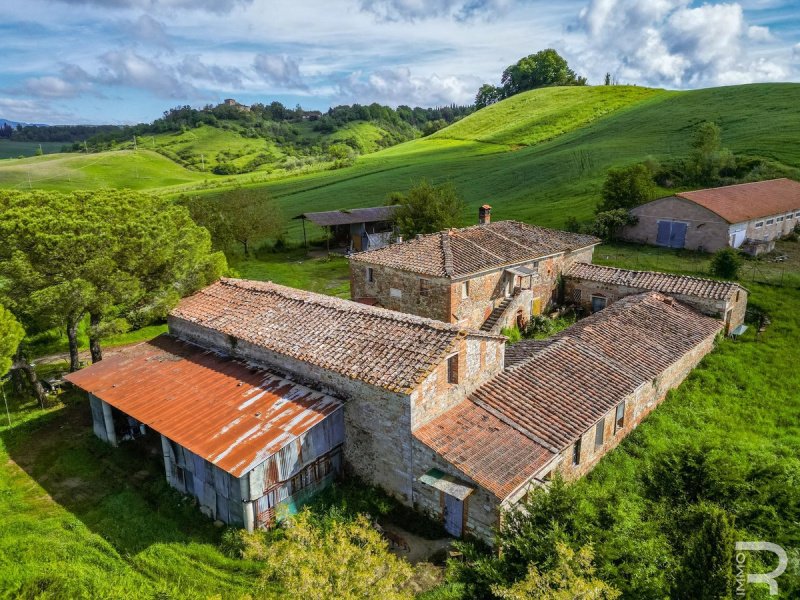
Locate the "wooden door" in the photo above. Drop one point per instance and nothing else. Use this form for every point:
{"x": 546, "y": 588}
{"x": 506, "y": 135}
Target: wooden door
{"x": 453, "y": 515}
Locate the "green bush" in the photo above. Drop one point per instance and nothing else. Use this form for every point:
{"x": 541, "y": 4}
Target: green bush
{"x": 726, "y": 263}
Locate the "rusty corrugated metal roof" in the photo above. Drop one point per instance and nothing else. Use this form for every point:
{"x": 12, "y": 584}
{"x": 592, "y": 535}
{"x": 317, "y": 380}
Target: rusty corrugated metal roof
{"x": 350, "y": 216}
{"x": 233, "y": 415}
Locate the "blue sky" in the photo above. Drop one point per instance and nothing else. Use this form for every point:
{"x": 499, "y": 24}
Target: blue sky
{"x": 124, "y": 61}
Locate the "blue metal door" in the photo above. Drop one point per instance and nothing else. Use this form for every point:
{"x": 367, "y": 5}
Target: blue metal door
{"x": 677, "y": 237}
{"x": 664, "y": 227}
{"x": 453, "y": 515}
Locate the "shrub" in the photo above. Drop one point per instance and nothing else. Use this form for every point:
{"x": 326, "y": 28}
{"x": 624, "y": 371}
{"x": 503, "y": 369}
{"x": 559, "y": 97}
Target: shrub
{"x": 726, "y": 263}
{"x": 512, "y": 333}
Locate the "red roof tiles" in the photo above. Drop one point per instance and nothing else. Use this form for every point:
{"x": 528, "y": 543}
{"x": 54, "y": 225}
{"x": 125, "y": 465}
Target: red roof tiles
{"x": 666, "y": 283}
{"x": 562, "y": 389}
{"x": 746, "y": 201}
{"x": 381, "y": 347}
{"x": 461, "y": 252}
{"x": 233, "y": 415}
{"x": 491, "y": 452}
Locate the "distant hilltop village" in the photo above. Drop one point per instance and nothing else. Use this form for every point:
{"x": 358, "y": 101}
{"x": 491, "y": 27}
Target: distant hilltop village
{"x": 262, "y": 394}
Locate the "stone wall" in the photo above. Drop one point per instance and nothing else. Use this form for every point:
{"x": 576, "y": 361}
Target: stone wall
{"x": 402, "y": 291}
{"x": 479, "y": 359}
{"x": 481, "y": 508}
{"x": 444, "y": 299}
{"x": 580, "y": 291}
{"x": 637, "y": 406}
{"x": 378, "y": 423}
{"x": 705, "y": 230}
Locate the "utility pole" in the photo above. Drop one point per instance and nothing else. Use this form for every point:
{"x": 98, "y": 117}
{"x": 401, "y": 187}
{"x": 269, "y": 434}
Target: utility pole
{"x": 85, "y": 147}
{"x": 134, "y": 144}
{"x": 202, "y": 162}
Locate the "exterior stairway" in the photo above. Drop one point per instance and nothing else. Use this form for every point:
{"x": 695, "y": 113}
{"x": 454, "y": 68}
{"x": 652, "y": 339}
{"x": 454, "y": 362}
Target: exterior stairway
{"x": 496, "y": 314}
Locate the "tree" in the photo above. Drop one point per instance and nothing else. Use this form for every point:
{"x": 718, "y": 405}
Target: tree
{"x": 545, "y": 68}
{"x": 726, "y": 263}
{"x": 487, "y": 95}
{"x": 607, "y": 79}
{"x": 11, "y": 334}
{"x": 627, "y": 187}
{"x": 115, "y": 255}
{"x": 240, "y": 216}
{"x": 427, "y": 208}
{"x": 708, "y": 157}
{"x": 706, "y": 572}
{"x": 571, "y": 578}
{"x": 346, "y": 560}
{"x": 607, "y": 224}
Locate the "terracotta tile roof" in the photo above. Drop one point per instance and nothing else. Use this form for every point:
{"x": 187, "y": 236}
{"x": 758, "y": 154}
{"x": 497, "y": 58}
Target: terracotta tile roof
{"x": 746, "y": 201}
{"x": 561, "y": 390}
{"x": 489, "y": 451}
{"x": 461, "y": 252}
{"x": 351, "y": 216}
{"x": 522, "y": 350}
{"x": 666, "y": 283}
{"x": 384, "y": 348}
{"x": 233, "y": 415}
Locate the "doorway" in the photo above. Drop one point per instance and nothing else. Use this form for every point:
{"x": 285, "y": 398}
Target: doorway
{"x": 453, "y": 515}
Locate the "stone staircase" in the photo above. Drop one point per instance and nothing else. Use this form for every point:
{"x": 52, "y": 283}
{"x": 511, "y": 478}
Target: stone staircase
{"x": 496, "y": 314}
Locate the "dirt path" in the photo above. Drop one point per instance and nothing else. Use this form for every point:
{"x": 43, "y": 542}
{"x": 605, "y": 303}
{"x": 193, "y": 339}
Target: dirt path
{"x": 84, "y": 356}
{"x": 419, "y": 549}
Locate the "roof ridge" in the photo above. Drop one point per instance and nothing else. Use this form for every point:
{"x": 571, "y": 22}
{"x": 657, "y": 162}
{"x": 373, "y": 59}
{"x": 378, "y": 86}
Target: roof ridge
{"x": 343, "y": 305}
{"x": 663, "y": 273}
{"x": 734, "y": 185}
{"x": 513, "y": 424}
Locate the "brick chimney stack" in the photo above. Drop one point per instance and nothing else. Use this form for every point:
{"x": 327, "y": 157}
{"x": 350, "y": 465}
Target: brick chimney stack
{"x": 485, "y": 214}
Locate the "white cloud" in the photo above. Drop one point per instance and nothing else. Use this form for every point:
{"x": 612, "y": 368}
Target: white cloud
{"x": 32, "y": 111}
{"x": 127, "y": 68}
{"x": 280, "y": 70}
{"x": 399, "y": 86}
{"x": 671, "y": 43}
{"x": 148, "y": 31}
{"x": 212, "y": 6}
{"x": 415, "y": 10}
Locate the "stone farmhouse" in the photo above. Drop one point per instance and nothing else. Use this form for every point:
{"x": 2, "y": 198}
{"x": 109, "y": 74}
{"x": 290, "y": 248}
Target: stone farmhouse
{"x": 593, "y": 287}
{"x": 750, "y": 216}
{"x": 487, "y": 277}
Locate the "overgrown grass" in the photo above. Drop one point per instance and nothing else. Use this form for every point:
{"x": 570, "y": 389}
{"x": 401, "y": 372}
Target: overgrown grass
{"x": 84, "y": 520}
{"x": 326, "y": 275}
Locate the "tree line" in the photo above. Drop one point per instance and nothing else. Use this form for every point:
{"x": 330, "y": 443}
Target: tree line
{"x": 114, "y": 260}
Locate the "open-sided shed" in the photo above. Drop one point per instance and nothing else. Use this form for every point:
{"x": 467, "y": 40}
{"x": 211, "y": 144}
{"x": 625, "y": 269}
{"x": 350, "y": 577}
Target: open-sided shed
{"x": 358, "y": 228}
{"x": 248, "y": 444}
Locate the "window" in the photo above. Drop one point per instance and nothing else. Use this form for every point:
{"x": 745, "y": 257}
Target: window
{"x": 424, "y": 287}
{"x": 759, "y": 225}
{"x": 576, "y": 452}
{"x": 598, "y": 434}
{"x": 598, "y": 303}
{"x": 465, "y": 290}
{"x": 779, "y": 219}
{"x": 395, "y": 293}
{"x": 770, "y": 221}
{"x": 452, "y": 369}
{"x": 370, "y": 275}
{"x": 619, "y": 423}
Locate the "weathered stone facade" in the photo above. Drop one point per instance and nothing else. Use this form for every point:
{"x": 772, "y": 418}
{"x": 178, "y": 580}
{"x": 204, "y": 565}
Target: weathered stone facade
{"x": 466, "y": 301}
{"x": 637, "y": 406}
{"x": 378, "y": 423}
{"x": 730, "y": 310}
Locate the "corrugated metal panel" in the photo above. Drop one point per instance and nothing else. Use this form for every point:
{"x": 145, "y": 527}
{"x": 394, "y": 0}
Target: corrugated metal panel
{"x": 231, "y": 414}
{"x": 348, "y": 217}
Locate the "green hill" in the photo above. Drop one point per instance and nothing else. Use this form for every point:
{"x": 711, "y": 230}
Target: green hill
{"x": 539, "y": 156}
{"x": 540, "y": 115}
{"x": 550, "y": 181}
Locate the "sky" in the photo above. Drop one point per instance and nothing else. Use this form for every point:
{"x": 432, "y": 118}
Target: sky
{"x": 127, "y": 61}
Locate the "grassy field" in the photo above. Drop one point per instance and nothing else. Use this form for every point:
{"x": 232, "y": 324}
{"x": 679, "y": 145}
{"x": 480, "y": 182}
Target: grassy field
{"x": 140, "y": 170}
{"x": 9, "y": 149}
{"x": 545, "y": 181}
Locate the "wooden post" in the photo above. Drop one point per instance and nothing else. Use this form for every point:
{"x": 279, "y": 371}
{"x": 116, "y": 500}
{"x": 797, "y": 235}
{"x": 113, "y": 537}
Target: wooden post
{"x": 305, "y": 241}
{"x": 328, "y": 240}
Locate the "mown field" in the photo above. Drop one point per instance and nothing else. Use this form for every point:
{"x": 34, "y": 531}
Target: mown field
{"x": 9, "y": 149}
{"x": 540, "y": 156}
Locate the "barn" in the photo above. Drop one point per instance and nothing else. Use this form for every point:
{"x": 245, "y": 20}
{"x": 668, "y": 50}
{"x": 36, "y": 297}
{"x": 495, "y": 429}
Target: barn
{"x": 750, "y": 216}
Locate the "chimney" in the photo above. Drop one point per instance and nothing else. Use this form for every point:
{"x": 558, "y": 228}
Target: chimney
{"x": 485, "y": 214}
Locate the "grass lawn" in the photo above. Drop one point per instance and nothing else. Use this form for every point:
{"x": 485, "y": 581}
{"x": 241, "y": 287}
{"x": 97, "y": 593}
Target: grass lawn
{"x": 327, "y": 275}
